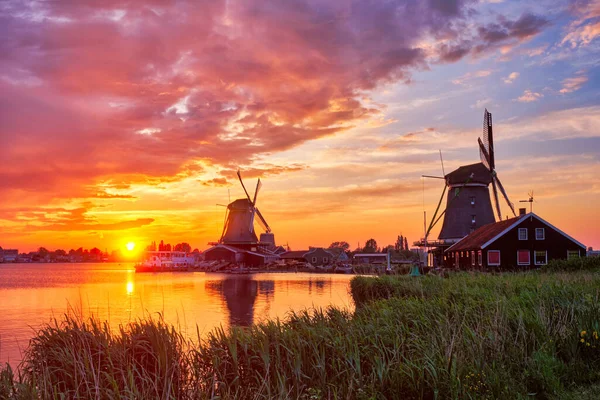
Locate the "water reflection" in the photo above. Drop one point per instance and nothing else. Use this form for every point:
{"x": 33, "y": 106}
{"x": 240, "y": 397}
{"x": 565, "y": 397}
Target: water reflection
{"x": 32, "y": 294}
{"x": 241, "y": 293}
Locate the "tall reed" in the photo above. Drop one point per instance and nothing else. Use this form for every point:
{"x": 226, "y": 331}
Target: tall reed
{"x": 471, "y": 336}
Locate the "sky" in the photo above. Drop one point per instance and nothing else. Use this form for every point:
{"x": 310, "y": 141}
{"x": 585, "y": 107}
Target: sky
{"x": 126, "y": 121}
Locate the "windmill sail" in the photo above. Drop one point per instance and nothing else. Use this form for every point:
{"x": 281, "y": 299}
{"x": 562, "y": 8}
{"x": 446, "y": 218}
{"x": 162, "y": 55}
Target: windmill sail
{"x": 496, "y": 201}
{"x": 510, "y": 204}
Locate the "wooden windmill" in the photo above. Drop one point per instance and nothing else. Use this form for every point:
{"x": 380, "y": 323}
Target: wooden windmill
{"x": 468, "y": 203}
{"x": 239, "y": 225}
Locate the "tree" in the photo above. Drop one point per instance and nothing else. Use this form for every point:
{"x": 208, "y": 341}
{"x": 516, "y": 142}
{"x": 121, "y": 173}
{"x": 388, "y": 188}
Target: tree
{"x": 370, "y": 246}
{"x": 405, "y": 243}
{"x": 399, "y": 245}
{"x": 345, "y": 246}
{"x": 43, "y": 252}
{"x": 60, "y": 253}
{"x": 183, "y": 247}
{"x": 388, "y": 249}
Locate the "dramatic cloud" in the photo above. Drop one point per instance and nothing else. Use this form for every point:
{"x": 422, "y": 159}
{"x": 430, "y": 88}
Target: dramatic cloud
{"x": 503, "y": 34}
{"x": 587, "y": 27}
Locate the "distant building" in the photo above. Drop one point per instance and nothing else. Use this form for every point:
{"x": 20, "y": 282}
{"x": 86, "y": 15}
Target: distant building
{"x": 370, "y": 258}
{"x": 593, "y": 253}
{"x": 315, "y": 256}
{"x": 9, "y": 255}
{"x": 521, "y": 242}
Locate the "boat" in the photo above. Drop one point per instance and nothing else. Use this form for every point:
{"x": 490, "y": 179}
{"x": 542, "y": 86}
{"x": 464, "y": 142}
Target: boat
{"x": 166, "y": 261}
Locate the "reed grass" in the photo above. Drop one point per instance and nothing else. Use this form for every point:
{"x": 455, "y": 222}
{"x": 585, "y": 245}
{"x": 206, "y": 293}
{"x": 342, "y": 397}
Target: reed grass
{"x": 469, "y": 336}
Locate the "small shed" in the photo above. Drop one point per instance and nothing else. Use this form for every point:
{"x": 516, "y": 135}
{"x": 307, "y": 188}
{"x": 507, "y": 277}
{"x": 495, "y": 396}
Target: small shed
{"x": 521, "y": 242}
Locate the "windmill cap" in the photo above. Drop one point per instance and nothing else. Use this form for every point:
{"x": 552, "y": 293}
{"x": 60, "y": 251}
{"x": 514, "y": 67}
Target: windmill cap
{"x": 473, "y": 173}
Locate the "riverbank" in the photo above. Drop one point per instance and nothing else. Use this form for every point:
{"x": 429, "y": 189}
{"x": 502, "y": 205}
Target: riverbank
{"x": 466, "y": 336}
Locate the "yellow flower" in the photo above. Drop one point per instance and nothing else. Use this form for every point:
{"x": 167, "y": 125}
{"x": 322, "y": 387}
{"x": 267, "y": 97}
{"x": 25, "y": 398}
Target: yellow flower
{"x": 587, "y": 344}
{"x": 582, "y": 340}
{"x": 583, "y": 333}
{"x": 595, "y": 335}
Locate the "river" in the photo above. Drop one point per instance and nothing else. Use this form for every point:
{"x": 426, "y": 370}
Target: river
{"x": 32, "y": 294}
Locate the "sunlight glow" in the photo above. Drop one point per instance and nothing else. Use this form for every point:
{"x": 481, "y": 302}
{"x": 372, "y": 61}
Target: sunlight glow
{"x": 130, "y": 246}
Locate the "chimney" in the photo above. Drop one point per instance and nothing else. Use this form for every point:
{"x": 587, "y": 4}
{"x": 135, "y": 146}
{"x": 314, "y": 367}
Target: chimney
{"x": 522, "y": 211}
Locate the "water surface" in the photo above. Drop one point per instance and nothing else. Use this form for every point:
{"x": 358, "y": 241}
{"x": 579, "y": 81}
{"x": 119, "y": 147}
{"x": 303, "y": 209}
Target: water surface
{"x": 33, "y": 294}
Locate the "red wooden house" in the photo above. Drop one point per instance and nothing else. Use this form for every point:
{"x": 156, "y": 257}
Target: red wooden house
{"x": 521, "y": 242}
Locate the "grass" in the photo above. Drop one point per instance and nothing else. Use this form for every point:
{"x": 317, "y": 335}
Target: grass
{"x": 469, "y": 336}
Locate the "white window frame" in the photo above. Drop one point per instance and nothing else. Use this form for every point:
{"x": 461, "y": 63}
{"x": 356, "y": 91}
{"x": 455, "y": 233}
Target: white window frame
{"x": 535, "y": 257}
{"x": 314, "y": 260}
{"x": 499, "y": 258}
{"x": 578, "y": 254}
{"x": 526, "y": 233}
{"x": 543, "y": 234}
{"x": 472, "y": 258}
{"x": 528, "y": 260}
{"x": 480, "y": 258}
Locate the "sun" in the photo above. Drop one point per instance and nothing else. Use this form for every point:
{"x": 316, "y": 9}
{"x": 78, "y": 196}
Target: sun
{"x": 130, "y": 246}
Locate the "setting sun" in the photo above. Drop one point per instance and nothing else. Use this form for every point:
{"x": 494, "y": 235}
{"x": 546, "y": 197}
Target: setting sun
{"x": 130, "y": 246}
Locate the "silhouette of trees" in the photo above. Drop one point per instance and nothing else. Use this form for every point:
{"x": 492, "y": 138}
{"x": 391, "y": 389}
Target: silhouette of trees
{"x": 183, "y": 247}
{"x": 345, "y": 246}
{"x": 370, "y": 246}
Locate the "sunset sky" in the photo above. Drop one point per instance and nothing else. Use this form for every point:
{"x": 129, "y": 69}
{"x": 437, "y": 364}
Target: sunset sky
{"x": 125, "y": 121}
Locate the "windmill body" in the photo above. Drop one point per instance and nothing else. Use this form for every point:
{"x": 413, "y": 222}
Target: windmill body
{"x": 239, "y": 227}
{"x": 468, "y": 204}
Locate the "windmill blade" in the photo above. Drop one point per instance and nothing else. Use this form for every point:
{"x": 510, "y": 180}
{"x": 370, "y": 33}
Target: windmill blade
{"x": 262, "y": 222}
{"x": 244, "y": 187}
{"x": 497, "y": 202}
{"x": 258, "y": 186}
{"x": 483, "y": 154}
{"x": 488, "y": 138}
{"x": 512, "y": 207}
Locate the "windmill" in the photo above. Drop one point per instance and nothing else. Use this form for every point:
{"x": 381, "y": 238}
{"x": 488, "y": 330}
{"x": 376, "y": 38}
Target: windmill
{"x": 239, "y": 225}
{"x": 468, "y": 203}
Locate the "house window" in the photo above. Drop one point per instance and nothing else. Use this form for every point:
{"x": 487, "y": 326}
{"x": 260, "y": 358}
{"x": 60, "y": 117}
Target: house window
{"x": 523, "y": 257}
{"x": 540, "y": 234}
{"x": 493, "y": 257}
{"x": 456, "y": 260}
{"x": 540, "y": 257}
{"x": 314, "y": 260}
{"x": 522, "y": 233}
{"x": 479, "y": 258}
{"x": 472, "y": 200}
{"x": 473, "y": 219}
{"x": 572, "y": 254}
{"x": 325, "y": 260}
{"x": 472, "y": 258}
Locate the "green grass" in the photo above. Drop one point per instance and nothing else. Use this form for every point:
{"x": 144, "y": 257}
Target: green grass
{"x": 469, "y": 336}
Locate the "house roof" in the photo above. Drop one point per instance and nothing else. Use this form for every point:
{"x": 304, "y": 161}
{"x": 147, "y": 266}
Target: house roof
{"x": 293, "y": 254}
{"x": 489, "y": 233}
{"x": 314, "y": 249}
{"x": 479, "y": 237}
{"x": 224, "y": 246}
{"x": 371, "y": 255}
{"x": 472, "y": 173}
